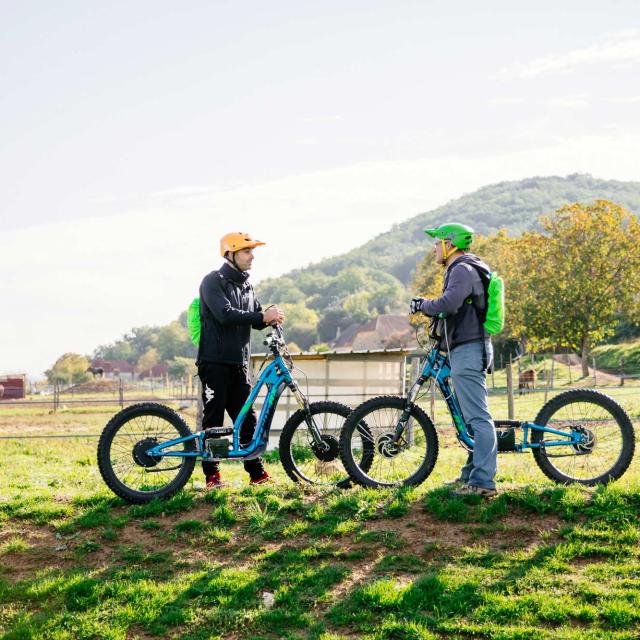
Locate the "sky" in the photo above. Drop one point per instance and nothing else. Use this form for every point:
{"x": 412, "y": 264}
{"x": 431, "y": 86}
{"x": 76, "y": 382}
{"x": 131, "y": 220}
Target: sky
{"x": 134, "y": 134}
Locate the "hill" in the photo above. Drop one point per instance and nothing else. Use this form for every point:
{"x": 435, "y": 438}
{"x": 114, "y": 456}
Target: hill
{"x": 374, "y": 278}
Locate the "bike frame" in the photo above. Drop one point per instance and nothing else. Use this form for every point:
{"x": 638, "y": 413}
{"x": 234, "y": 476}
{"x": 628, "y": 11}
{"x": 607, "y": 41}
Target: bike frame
{"x": 275, "y": 377}
{"x": 436, "y": 367}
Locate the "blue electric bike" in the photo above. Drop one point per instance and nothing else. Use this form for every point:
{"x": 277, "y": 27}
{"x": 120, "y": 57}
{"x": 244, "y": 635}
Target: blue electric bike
{"x": 147, "y": 450}
{"x": 581, "y": 435}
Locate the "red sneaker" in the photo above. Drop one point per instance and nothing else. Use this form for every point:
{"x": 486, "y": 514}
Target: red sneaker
{"x": 265, "y": 477}
{"x": 214, "y": 481}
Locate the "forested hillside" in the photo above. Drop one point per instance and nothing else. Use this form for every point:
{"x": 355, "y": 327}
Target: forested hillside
{"x": 376, "y": 277}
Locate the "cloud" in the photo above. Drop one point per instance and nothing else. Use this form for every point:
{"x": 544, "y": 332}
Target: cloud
{"x": 569, "y": 102}
{"x": 321, "y": 119}
{"x": 505, "y": 100}
{"x": 612, "y": 49}
{"x": 186, "y": 190}
{"x": 74, "y": 285}
{"x": 624, "y": 100}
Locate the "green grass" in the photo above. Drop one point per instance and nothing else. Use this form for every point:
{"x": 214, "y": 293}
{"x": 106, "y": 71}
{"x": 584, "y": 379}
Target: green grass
{"x": 539, "y": 561}
{"x": 612, "y": 356}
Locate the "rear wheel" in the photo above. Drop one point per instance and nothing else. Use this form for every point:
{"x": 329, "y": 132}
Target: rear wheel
{"x": 122, "y": 459}
{"x": 302, "y": 459}
{"x": 608, "y": 440}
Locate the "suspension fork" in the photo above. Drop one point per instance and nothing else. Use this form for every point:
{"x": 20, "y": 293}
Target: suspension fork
{"x": 303, "y": 403}
{"x": 406, "y": 414}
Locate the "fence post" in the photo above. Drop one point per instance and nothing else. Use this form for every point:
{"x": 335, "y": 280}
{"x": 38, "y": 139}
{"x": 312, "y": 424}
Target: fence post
{"x": 121, "y": 393}
{"x": 622, "y": 372}
{"x": 595, "y": 377}
{"x": 510, "y": 389}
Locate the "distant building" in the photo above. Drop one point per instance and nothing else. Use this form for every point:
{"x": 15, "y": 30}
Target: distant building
{"x": 121, "y": 369}
{"x": 114, "y": 369}
{"x": 157, "y": 371}
{"x": 13, "y": 386}
{"x": 387, "y": 331}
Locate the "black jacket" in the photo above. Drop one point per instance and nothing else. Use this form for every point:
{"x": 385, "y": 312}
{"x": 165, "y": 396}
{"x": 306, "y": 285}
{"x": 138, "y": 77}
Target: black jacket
{"x": 228, "y": 310}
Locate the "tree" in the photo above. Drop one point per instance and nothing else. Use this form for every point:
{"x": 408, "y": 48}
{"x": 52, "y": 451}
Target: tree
{"x": 173, "y": 340}
{"x": 69, "y": 368}
{"x": 301, "y": 324}
{"x": 387, "y": 295}
{"x": 280, "y": 291}
{"x": 147, "y": 361}
{"x": 332, "y": 319}
{"x": 131, "y": 346}
{"x": 582, "y": 276}
{"x": 181, "y": 367}
{"x": 119, "y": 350}
{"x": 357, "y": 306}
{"x": 321, "y": 347}
{"x": 142, "y": 339}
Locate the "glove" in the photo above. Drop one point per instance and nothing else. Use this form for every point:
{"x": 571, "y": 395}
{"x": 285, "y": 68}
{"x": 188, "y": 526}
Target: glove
{"x": 416, "y": 305}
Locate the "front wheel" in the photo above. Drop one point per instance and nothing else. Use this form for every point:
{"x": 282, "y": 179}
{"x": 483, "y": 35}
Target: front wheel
{"x": 608, "y": 440}
{"x": 389, "y": 460}
{"x": 126, "y": 467}
{"x": 302, "y": 459}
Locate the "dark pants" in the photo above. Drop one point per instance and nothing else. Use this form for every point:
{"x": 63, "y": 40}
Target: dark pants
{"x": 226, "y": 386}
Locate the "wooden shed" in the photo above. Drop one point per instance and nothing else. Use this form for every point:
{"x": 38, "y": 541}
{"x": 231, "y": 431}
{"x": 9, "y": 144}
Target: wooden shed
{"x": 13, "y": 386}
{"x": 349, "y": 377}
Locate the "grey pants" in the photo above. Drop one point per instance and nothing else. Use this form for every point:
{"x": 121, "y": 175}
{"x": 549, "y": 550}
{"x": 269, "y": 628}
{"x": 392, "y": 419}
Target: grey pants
{"x": 470, "y": 384}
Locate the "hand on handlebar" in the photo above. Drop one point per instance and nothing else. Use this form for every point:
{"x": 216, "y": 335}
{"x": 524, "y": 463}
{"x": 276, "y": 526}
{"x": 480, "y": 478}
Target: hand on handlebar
{"x": 273, "y": 315}
{"x": 416, "y": 305}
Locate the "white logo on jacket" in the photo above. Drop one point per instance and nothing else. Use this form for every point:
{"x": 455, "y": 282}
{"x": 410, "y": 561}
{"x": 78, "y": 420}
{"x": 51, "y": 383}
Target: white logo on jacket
{"x": 208, "y": 393}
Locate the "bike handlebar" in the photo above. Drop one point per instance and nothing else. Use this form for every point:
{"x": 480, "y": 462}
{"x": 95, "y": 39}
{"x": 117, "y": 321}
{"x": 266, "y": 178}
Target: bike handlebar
{"x": 275, "y": 340}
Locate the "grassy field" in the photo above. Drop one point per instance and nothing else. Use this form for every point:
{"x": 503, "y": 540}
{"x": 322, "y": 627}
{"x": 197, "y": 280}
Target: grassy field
{"x": 294, "y": 562}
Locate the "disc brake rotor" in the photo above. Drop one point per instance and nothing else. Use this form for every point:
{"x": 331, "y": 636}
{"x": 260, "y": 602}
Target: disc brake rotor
{"x": 588, "y": 440}
{"x": 328, "y": 450}
{"x": 386, "y": 446}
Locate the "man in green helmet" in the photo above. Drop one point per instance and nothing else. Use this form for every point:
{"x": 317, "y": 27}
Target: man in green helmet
{"x": 458, "y": 327}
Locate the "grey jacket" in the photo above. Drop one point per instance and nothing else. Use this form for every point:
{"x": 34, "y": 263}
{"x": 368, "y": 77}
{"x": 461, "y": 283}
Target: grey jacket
{"x": 462, "y": 296}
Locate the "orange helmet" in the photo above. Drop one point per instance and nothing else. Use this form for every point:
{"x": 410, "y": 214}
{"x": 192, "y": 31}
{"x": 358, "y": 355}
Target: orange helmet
{"x": 237, "y": 240}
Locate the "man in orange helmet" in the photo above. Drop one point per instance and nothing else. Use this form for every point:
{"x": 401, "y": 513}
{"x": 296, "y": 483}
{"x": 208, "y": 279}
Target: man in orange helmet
{"x": 228, "y": 310}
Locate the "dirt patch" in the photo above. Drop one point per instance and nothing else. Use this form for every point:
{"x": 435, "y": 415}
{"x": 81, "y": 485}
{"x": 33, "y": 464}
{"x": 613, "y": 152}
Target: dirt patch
{"x": 357, "y": 576}
{"x": 422, "y": 534}
{"x": 571, "y": 359}
{"x": 418, "y": 532}
{"x": 43, "y": 552}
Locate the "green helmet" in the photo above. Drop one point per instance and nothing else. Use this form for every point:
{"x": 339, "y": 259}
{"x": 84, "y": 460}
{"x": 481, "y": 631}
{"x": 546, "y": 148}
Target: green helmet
{"x": 460, "y": 235}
